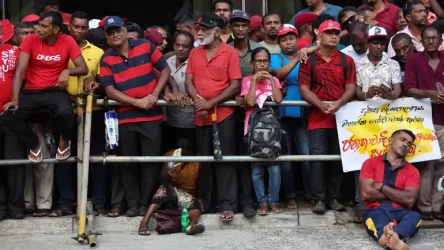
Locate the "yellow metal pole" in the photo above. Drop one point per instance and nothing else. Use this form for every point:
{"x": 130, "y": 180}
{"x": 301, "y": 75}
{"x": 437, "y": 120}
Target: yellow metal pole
{"x": 80, "y": 125}
{"x": 85, "y": 172}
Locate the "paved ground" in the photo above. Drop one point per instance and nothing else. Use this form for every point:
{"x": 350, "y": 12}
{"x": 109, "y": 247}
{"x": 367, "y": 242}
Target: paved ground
{"x": 295, "y": 229}
{"x": 331, "y": 238}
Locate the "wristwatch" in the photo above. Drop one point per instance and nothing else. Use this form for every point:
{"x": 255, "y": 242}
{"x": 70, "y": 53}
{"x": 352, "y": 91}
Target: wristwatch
{"x": 380, "y": 189}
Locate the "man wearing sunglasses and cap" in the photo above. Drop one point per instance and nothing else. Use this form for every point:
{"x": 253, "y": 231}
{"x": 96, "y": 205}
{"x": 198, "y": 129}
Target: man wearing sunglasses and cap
{"x": 213, "y": 76}
{"x": 127, "y": 73}
{"x": 328, "y": 75}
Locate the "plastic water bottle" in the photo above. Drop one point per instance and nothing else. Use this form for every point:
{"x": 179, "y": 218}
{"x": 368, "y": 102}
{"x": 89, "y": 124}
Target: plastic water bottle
{"x": 185, "y": 218}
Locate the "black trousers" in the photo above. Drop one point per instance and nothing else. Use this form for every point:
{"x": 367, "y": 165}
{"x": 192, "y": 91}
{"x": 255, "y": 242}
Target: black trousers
{"x": 243, "y": 168}
{"x": 12, "y": 178}
{"x": 55, "y": 100}
{"x": 140, "y": 180}
{"x": 220, "y": 176}
{"x": 65, "y": 173}
{"x": 171, "y": 134}
{"x": 326, "y": 176}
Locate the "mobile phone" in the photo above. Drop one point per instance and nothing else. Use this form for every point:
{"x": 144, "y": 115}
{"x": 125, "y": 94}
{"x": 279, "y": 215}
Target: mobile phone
{"x": 439, "y": 86}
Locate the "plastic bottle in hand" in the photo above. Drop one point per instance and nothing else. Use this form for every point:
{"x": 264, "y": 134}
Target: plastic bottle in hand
{"x": 185, "y": 218}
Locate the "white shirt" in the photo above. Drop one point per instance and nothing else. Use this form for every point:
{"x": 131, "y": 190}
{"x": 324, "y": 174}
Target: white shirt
{"x": 349, "y": 51}
{"x": 387, "y": 72}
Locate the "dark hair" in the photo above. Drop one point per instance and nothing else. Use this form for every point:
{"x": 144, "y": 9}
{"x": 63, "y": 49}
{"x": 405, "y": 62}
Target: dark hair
{"x": 361, "y": 11}
{"x": 57, "y": 20}
{"x": 410, "y": 133}
{"x": 187, "y": 34}
{"x": 134, "y": 27}
{"x": 186, "y": 21}
{"x": 321, "y": 18}
{"x": 439, "y": 24}
{"x": 430, "y": 28}
{"x": 408, "y": 6}
{"x": 22, "y": 25}
{"x": 259, "y": 49}
{"x": 229, "y": 2}
{"x": 345, "y": 10}
{"x": 401, "y": 36}
{"x": 271, "y": 14}
{"x": 357, "y": 26}
{"x": 79, "y": 15}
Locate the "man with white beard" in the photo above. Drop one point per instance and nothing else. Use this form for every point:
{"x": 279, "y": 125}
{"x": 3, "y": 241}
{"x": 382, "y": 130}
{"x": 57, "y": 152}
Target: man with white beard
{"x": 213, "y": 76}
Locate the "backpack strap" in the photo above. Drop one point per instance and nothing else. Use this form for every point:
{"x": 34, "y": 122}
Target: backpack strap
{"x": 282, "y": 59}
{"x": 312, "y": 58}
{"x": 343, "y": 63}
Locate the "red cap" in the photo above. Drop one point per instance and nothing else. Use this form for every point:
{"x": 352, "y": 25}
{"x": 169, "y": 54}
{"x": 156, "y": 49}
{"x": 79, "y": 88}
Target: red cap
{"x": 101, "y": 23}
{"x": 284, "y": 30}
{"x": 8, "y": 30}
{"x": 255, "y": 22}
{"x": 304, "y": 18}
{"x": 198, "y": 20}
{"x": 329, "y": 25}
{"x": 31, "y": 18}
{"x": 153, "y": 36}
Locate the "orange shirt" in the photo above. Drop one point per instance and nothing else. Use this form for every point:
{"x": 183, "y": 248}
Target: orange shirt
{"x": 214, "y": 76}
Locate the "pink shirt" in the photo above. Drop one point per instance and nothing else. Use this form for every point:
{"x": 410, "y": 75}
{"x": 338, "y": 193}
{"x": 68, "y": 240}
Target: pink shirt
{"x": 263, "y": 90}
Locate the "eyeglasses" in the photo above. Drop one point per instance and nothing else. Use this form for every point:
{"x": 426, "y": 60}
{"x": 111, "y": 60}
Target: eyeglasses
{"x": 431, "y": 39}
{"x": 259, "y": 62}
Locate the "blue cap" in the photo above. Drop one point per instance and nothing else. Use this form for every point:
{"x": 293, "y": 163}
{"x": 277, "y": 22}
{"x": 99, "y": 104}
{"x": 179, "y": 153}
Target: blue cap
{"x": 113, "y": 21}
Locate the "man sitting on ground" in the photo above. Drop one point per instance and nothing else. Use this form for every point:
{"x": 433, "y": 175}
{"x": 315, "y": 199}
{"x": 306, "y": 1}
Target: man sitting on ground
{"x": 389, "y": 187}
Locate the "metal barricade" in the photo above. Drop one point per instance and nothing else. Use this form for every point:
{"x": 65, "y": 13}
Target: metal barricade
{"x": 84, "y": 158}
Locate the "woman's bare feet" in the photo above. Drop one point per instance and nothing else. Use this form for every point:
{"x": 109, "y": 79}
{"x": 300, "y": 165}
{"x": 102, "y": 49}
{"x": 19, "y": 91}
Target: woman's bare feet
{"x": 143, "y": 229}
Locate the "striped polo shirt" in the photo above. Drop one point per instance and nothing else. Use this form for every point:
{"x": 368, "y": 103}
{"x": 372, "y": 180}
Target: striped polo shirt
{"x": 133, "y": 76}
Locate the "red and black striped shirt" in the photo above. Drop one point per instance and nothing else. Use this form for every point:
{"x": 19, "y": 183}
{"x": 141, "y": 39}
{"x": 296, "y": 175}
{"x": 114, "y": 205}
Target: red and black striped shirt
{"x": 133, "y": 76}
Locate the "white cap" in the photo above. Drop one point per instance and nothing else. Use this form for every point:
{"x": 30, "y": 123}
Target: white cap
{"x": 287, "y": 25}
{"x": 94, "y": 23}
{"x": 377, "y": 32}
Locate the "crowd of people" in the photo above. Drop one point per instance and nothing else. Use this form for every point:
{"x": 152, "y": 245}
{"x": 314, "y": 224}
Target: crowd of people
{"x": 326, "y": 55}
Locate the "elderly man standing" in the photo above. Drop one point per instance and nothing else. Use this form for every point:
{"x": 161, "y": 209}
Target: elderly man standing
{"x": 127, "y": 73}
{"x": 213, "y": 76}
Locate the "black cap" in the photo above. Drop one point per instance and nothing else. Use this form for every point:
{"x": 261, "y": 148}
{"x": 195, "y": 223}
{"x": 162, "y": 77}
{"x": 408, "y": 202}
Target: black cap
{"x": 239, "y": 14}
{"x": 97, "y": 37}
{"x": 211, "y": 20}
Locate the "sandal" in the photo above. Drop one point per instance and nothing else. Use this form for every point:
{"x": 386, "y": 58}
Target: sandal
{"x": 115, "y": 212}
{"x": 60, "y": 212}
{"x": 61, "y": 155}
{"x": 427, "y": 216}
{"x": 102, "y": 212}
{"x": 438, "y": 215}
{"x": 263, "y": 209}
{"x": 226, "y": 216}
{"x": 292, "y": 204}
{"x": 143, "y": 230}
{"x": 276, "y": 209}
{"x": 359, "y": 215}
{"x": 35, "y": 157}
{"x": 195, "y": 229}
{"x": 41, "y": 213}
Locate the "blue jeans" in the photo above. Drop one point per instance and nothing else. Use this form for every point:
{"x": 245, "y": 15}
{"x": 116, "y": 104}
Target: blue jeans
{"x": 359, "y": 202}
{"x": 296, "y": 131}
{"x": 257, "y": 176}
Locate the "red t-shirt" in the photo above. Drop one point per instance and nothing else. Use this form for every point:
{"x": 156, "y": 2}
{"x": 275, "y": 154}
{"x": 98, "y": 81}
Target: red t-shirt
{"x": 328, "y": 84}
{"x": 304, "y": 42}
{"x": 379, "y": 169}
{"x": 47, "y": 62}
{"x": 9, "y": 57}
{"x": 212, "y": 77}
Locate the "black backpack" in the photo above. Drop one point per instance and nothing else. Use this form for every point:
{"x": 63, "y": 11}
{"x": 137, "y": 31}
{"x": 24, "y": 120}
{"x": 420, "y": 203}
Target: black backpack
{"x": 264, "y": 134}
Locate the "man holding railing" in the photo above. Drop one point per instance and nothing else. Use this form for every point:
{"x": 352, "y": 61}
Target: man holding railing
{"x": 329, "y": 75}
{"x": 213, "y": 76}
{"x": 127, "y": 73}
